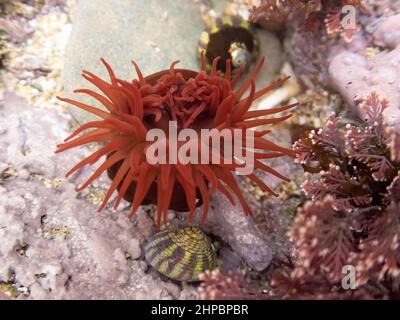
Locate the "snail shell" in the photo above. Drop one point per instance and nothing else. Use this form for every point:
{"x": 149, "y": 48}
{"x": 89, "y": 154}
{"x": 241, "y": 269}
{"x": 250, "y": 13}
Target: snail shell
{"x": 229, "y": 37}
{"x": 181, "y": 254}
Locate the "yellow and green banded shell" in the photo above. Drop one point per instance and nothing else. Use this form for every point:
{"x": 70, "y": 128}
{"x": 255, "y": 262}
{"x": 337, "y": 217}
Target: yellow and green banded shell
{"x": 216, "y": 39}
{"x": 181, "y": 254}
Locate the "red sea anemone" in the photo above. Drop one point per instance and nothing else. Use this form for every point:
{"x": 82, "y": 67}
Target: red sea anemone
{"x": 194, "y": 100}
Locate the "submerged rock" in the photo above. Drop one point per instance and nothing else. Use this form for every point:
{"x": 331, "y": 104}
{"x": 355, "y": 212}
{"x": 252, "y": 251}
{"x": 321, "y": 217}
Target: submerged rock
{"x": 153, "y": 33}
{"x": 271, "y": 49}
{"x": 356, "y": 74}
{"x": 234, "y": 227}
{"x": 354, "y": 69}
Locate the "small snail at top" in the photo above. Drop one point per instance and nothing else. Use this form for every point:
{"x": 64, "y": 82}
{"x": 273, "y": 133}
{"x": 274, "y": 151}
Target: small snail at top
{"x": 229, "y": 37}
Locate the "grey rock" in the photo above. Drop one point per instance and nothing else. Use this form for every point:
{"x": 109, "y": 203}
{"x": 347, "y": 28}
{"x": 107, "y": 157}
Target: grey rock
{"x": 240, "y": 231}
{"x": 271, "y": 49}
{"x": 154, "y": 33}
{"x": 230, "y": 260}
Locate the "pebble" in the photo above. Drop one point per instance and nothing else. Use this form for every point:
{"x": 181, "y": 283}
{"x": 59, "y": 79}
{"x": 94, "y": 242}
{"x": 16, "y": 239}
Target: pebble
{"x": 134, "y": 249}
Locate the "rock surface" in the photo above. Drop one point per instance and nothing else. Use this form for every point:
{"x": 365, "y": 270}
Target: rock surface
{"x": 354, "y": 69}
{"x": 54, "y": 243}
{"x": 234, "y": 227}
{"x": 355, "y": 74}
{"x": 122, "y": 30}
{"x": 271, "y": 49}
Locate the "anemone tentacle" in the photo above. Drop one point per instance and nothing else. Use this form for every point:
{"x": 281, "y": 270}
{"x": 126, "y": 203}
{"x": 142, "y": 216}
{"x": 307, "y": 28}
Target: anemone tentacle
{"x": 195, "y": 100}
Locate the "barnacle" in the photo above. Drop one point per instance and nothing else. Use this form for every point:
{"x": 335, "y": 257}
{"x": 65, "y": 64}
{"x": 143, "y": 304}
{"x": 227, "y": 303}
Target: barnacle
{"x": 196, "y": 100}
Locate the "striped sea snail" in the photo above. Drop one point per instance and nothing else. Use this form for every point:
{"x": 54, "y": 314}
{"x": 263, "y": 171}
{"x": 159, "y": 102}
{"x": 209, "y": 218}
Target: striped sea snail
{"x": 181, "y": 254}
{"x": 231, "y": 38}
